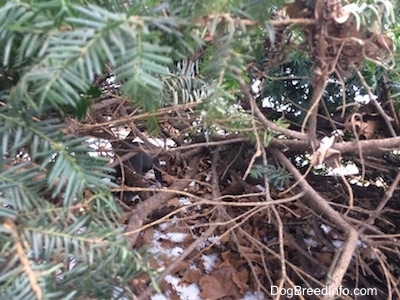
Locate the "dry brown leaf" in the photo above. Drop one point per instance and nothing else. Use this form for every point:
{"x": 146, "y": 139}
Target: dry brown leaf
{"x": 226, "y": 255}
{"x": 220, "y": 283}
{"x": 174, "y": 202}
{"x": 182, "y": 266}
{"x": 324, "y": 257}
{"x": 193, "y": 275}
{"x": 240, "y": 279}
{"x": 211, "y": 288}
{"x": 225, "y": 263}
{"x": 147, "y": 236}
{"x": 225, "y": 238}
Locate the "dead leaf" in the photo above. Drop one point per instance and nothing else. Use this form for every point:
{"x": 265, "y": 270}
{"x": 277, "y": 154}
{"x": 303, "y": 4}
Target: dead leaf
{"x": 192, "y": 275}
{"x": 324, "y": 257}
{"x": 174, "y": 202}
{"x": 240, "y": 278}
{"x": 220, "y": 284}
{"x": 211, "y": 288}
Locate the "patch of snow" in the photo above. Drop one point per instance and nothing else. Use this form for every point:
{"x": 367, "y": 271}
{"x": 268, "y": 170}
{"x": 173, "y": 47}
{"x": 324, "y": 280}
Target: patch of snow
{"x": 253, "y": 296}
{"x": 326, "y": 229}
{"x": 311, "y": 242}
{"x": 157, "y": 247}
{"x": 212, "y": 240}
{"x": 186, "y": 292}
{"x": 255, "y": 86}
{"x": 364, "y": 99}
{"x": 337, "y": 243}
{"x": 361, "y": 244}
{"x": 176, "y": 237}
{"x": 208, "y": 177}
{"x": 165, "y": 226}
{"x": 209, "y": 261}
{"x": 360, "y": 182}
{"x": 184, "y": 201}
{"x": 172, "y": 252}
{"x": 350, "y": 169}
{"x": 215, "y": 240}
{"x": 193, "y": 267}
{"x": 159, "y": 297}
{"x": 260, "y": 188}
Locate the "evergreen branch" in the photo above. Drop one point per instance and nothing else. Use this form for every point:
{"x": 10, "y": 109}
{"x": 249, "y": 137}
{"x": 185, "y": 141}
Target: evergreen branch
{"x": 9, "y": 225}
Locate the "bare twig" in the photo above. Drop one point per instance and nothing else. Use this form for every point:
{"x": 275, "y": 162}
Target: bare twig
{"x": 168, "y": 270}
{"x": 382, "y": 203}
{"x": 378, "y": 107}
{"x": 267, "y": 123}
{"x": 368, "y": 147}
{"x": 144, "y": 208}
{"x": 321, "y": 206}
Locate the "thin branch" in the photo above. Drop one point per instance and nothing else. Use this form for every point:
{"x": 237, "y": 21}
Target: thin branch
{"x": 378, "y": 107}
{"x": 267, "y": 123}
{"x": 317, "y": 203}
{"x": 143, "y": 209}
{"x": 312, "y": 114}
{"x": 168, "y": 270}
{"x": 388, "y": 195}
{"x": 368, "y": 147}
